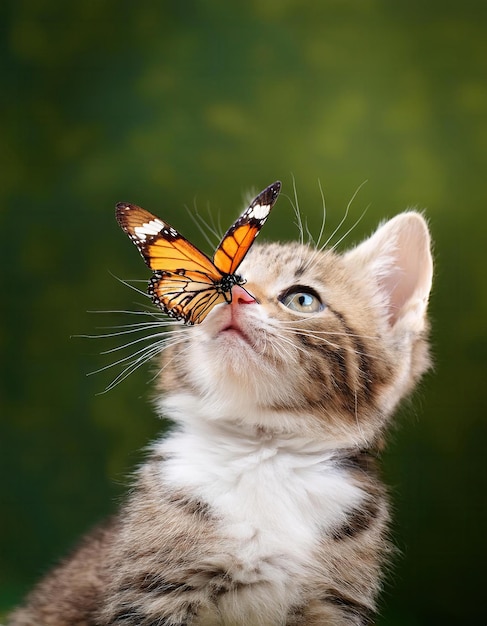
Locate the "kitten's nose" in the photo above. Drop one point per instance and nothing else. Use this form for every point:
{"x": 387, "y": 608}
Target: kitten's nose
{"x": 240, "y": 296}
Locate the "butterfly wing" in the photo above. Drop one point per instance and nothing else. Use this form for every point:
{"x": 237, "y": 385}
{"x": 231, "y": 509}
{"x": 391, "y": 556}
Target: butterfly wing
{"x": 187, "y": 296}
{"x": 241, "y": 235}
{"x": 185, "y": 284}
{"x": 160, "y": 245}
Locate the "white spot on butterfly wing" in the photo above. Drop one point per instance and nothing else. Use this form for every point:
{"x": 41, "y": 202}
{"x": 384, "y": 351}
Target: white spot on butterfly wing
{"x": 151, "y": 229}
{"x": 259, "y": 211}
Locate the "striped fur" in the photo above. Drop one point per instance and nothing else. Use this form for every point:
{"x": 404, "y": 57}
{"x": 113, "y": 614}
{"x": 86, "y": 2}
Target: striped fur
{"x": 264, "y": 506}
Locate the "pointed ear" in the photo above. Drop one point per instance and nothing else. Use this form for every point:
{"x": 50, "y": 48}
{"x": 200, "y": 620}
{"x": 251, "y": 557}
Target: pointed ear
{"x": 398, "y": 258}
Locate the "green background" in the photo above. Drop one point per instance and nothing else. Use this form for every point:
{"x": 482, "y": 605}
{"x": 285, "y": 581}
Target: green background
{"x": 175, "y": 104}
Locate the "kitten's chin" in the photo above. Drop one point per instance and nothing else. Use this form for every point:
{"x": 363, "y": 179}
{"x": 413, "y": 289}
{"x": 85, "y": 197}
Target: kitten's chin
{"x": 234, "y": 335}
{"x": 229, "y": 359}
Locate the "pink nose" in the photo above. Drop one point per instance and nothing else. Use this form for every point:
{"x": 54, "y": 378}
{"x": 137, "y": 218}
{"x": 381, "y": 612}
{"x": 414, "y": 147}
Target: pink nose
{"x": 241, "y": 296}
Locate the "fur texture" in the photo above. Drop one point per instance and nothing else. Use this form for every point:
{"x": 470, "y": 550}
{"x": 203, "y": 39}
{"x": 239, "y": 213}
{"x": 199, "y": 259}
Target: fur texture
{"x": 263, "y": 506}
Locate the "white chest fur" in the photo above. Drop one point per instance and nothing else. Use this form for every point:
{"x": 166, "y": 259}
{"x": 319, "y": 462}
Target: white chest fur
{"x": 274, "y": 497}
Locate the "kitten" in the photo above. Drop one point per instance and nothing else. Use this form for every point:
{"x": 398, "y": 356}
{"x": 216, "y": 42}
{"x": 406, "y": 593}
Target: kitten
{"x": 263, "y": 506}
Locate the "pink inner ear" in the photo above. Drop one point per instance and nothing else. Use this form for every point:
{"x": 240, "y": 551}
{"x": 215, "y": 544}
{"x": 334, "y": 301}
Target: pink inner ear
{"x": 410, "y": 275}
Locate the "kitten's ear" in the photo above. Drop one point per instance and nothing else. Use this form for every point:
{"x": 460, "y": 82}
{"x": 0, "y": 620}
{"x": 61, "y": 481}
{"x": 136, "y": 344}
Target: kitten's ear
{"x": 398, "y": 257}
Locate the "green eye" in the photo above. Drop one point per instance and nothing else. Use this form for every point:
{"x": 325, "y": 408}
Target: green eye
{"x": 302, "y": 300}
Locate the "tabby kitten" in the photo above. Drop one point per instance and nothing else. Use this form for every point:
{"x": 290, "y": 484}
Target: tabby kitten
{"x": 263, "y": 505}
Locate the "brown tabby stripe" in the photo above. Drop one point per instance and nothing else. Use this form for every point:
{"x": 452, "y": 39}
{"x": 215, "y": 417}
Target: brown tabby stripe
{"x": 342, "y": 377}
{"x": 340, "y": 369}
{"x": 191, "y": 506}
{"x": 359, "y": 520}
{"x": 152, "y": 583}
{"x": 131, "y": 616}
{"x": 352, "y": 607}
{"x": 158, "y": 458}
{"x": 358, "y": 460}
{"x": 300, "y": 271}
{"x": 365, "y": 366}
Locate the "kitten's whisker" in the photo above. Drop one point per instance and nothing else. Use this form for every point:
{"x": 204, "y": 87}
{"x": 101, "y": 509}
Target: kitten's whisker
{"x": 128, "y": 284}
{"x": 200, "y": 222}
{"x": 169, "y": 361}
{"x": 136, "y": 325}
{"x": 134, "y": 342}
{"x": 292, "y": 344}
{"x": 160, "y": 345}
{"x": 145, "y": 355}
{"x": 181, "y": 351}
{"x": 281, "y": 349}
{"x": 323, "y": 221}
{"x": 130, "y": 369}
{"x": 318, "y": 335}
{"x": 311, "y": 240}
{"x": 323, "y": 332}
{"x": 277, "y": 348}
{"x": 136, "y": 328}
{"x": 166, "y": 333}
{"x": 297, "y": 212}
{"x": 216, "y": 228}
{"x": 337, "y": 243}
{"x": 335, "y": 346}
{"x": 155, "y": 313}
{"x": 324, "y": 340}
{"x": 345, "y": 216}
{"x": 127, "y": 331}
{"x": 121, "y": 360}
{"x": 330, "y": 333}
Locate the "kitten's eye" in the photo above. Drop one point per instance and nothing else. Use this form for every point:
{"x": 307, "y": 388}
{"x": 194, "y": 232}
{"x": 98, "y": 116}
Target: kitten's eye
{"x": 302, "y": 300}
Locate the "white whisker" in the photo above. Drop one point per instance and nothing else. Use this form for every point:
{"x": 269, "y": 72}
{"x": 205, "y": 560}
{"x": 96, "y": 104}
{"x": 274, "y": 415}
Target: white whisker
{"x": 287, "y": 324}
{"x": 344, "y": 217}
{"x": 155, "y": 313}
{"x": 323, "y": 220}
{"x": 132, "y": 330}
{"x": 200, "y": 222}
{"x": 128, "y": 284}
{"x": 127, "y": 358}
{"x": 139, "y": 358}
{"x": 133, "y": 343}
{"x": 337, "y": 243}
{"x": 297, "y": 213}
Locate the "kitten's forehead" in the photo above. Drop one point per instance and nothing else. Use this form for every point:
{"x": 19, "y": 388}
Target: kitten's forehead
{"x": 291, "y": 262}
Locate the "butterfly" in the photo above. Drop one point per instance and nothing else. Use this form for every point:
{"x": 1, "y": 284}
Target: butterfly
{"x": 187, "y": 284}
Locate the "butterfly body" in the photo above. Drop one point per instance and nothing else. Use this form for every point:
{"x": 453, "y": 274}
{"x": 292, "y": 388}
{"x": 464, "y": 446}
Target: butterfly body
{"x": 187, "y": 284}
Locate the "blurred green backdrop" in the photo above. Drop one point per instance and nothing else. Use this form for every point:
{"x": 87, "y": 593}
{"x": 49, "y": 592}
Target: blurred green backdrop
{"x": 174, "y": 104}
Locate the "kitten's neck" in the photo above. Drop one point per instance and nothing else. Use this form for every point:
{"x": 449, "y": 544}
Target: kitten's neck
{"x": 258, "y": 479}
{"x": 249, "y": 427}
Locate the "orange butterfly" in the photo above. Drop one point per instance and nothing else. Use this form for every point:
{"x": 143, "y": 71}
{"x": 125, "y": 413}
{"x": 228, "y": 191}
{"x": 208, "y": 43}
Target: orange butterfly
{"x": 187, "y": 284}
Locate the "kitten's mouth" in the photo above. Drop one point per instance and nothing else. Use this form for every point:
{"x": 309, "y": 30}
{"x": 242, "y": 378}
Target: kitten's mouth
{"x": 234, "y": 329}
{"x": 232, "y": 326}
